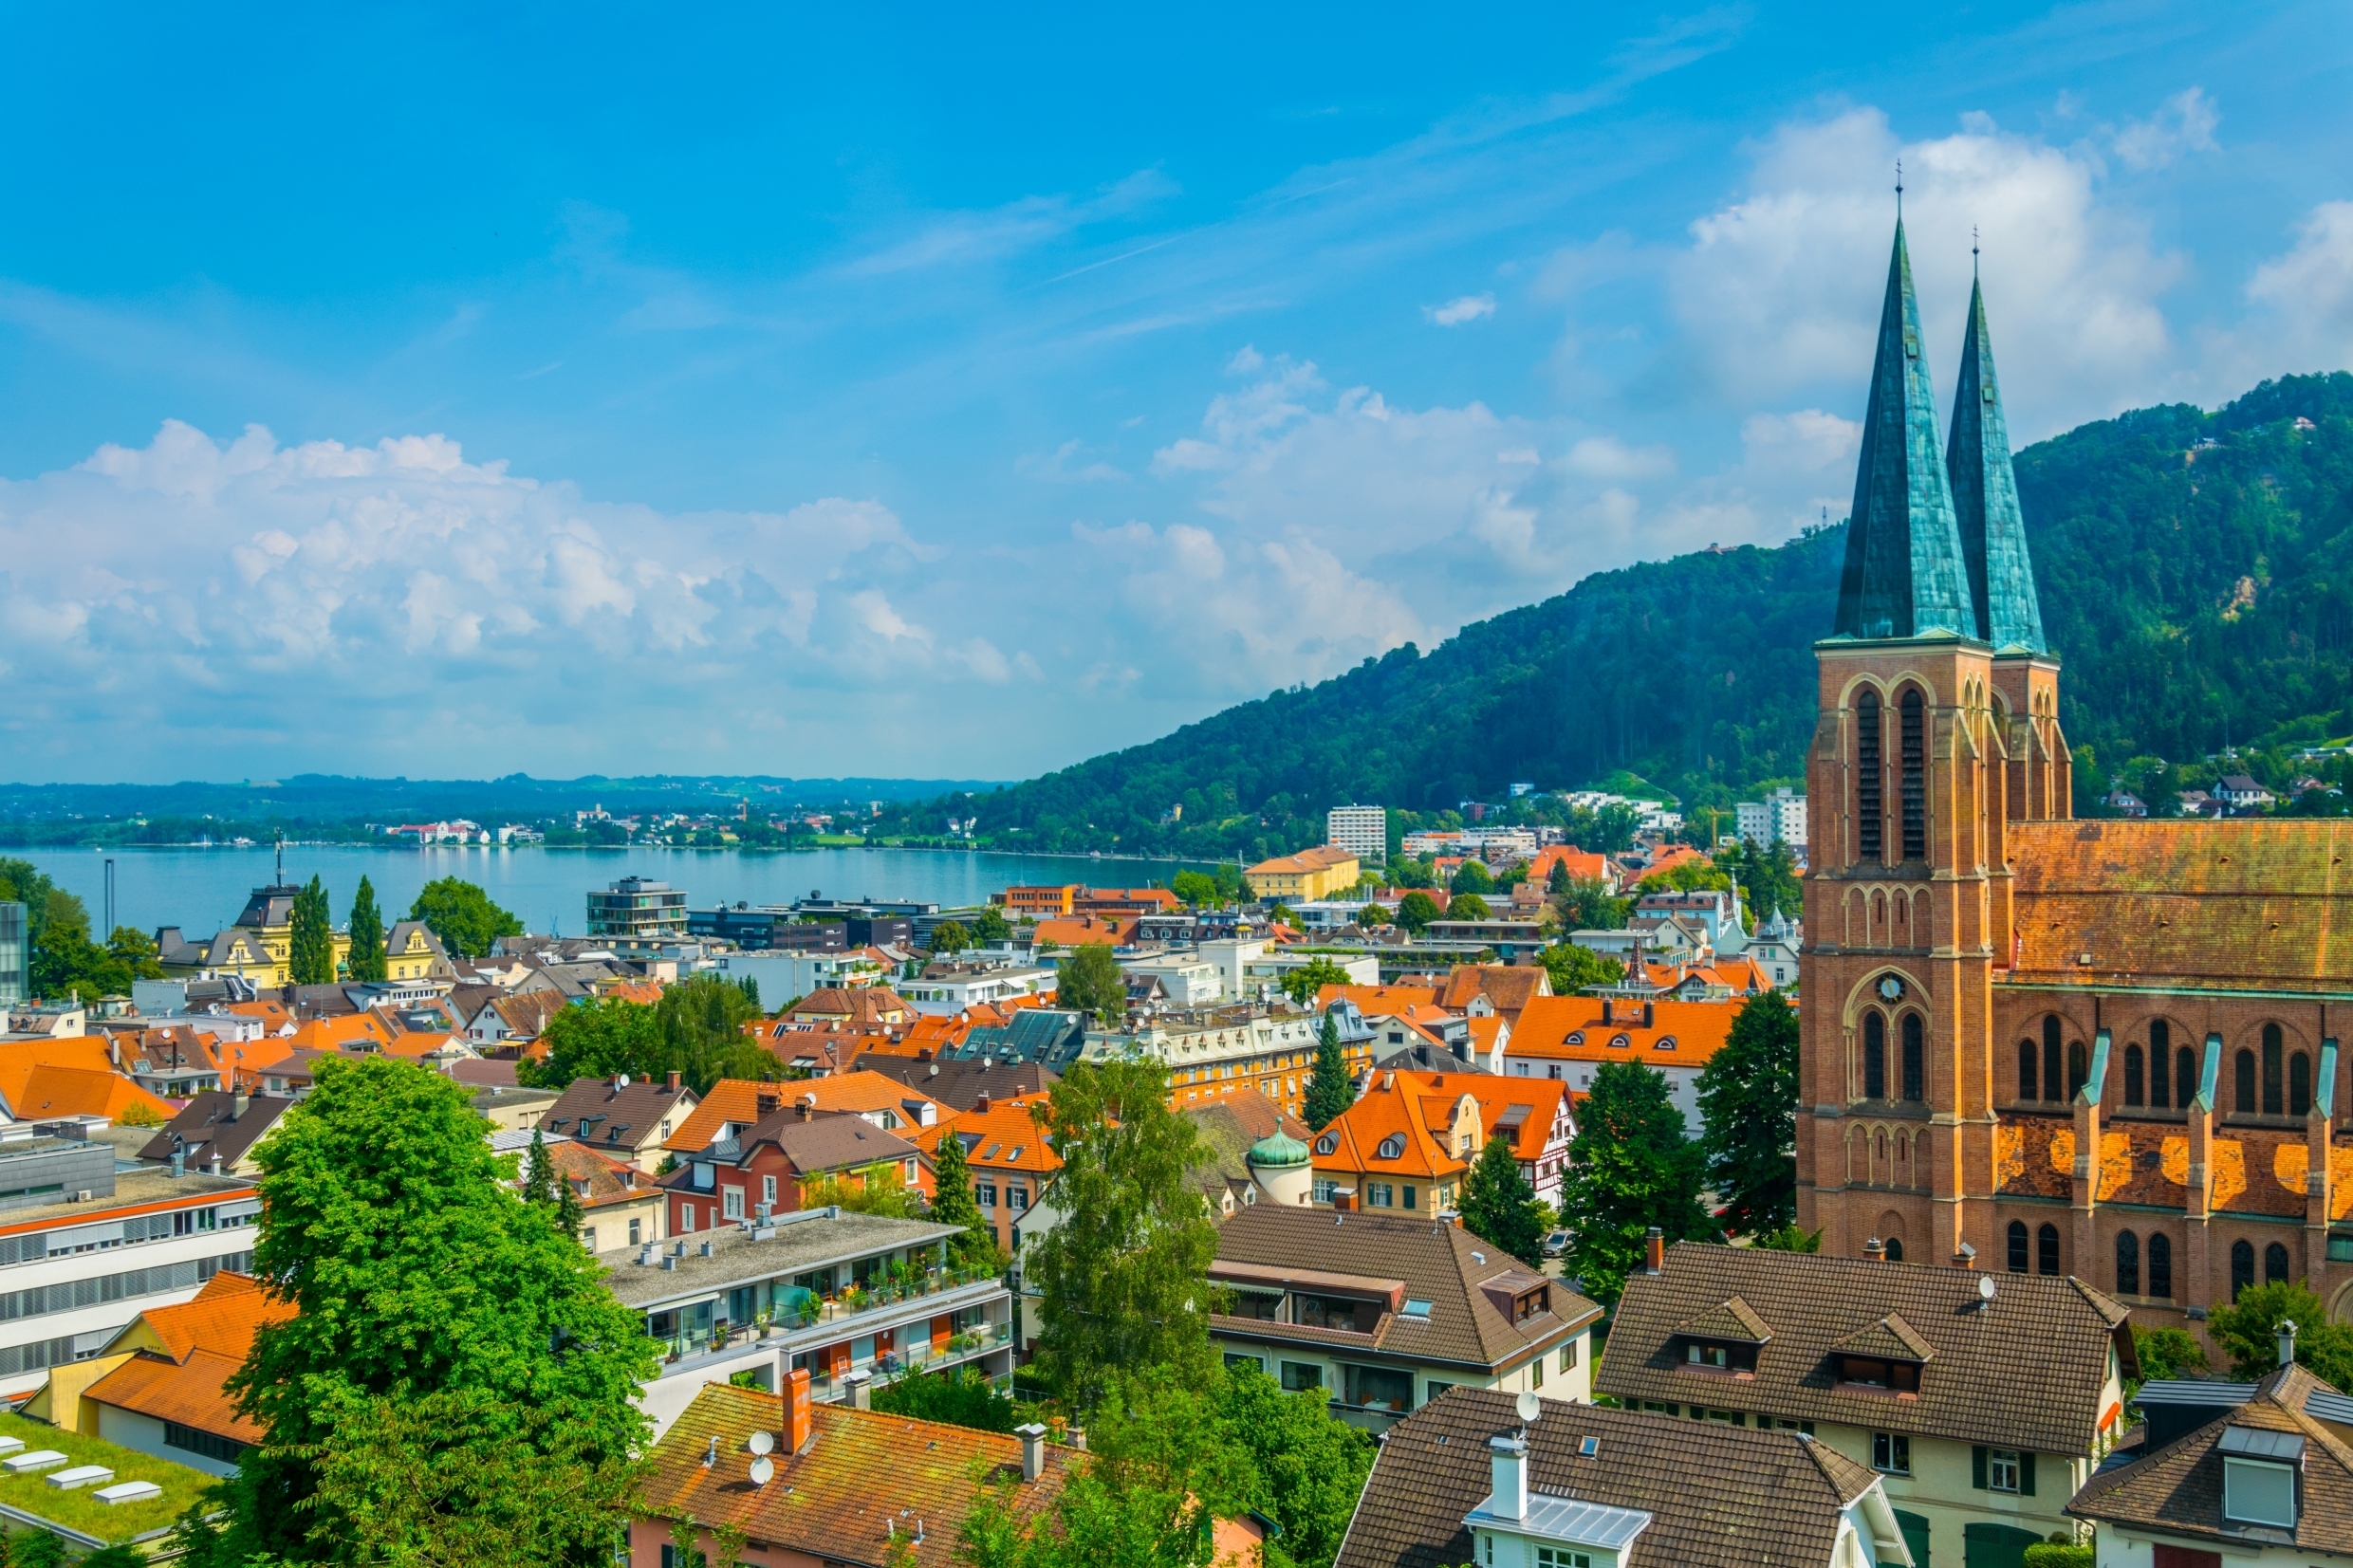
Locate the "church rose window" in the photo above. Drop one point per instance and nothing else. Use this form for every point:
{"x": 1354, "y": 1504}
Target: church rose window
{"x": 1915, "y": 777}
{"x": 1867, "y": 806}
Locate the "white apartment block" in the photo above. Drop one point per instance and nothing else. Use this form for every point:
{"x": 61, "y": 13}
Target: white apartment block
{"x": 1780, "y": 818}
{"x": 1362, "y": 830}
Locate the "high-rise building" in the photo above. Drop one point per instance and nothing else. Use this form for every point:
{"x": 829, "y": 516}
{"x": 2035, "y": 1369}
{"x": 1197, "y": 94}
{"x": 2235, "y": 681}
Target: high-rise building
{"x": 1778, "y": 819}
{"x": 2099, "y": 1048}
{"x": 1362, "y": 830}
{"x": 15, "y": 954}
{"x": 638, "y": 909}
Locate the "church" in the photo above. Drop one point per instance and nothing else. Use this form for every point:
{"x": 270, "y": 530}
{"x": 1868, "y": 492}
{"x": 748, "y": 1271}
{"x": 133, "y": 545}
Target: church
{"x": 2034, "y": 1043}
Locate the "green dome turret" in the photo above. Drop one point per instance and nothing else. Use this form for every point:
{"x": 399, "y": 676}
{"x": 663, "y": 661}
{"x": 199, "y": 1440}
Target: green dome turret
{"x": 1278, "y": 1151}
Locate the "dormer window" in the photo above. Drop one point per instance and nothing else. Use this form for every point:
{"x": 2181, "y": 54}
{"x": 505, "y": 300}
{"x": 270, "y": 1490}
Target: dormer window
{"x": 1864, "y": 1373}
{"x": 2259, "y": 1476}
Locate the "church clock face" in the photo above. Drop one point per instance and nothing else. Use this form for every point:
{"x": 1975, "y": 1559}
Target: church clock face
{"x": 1891, "y": 989}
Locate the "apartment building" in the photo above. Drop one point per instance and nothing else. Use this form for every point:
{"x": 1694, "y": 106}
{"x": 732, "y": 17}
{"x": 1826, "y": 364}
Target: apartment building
{"x": 1359, "y": 830}
{"x": 1261, "y": 1048}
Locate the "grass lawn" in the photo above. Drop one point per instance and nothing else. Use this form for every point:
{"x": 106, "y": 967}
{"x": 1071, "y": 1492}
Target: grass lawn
{"x": 79, "y": 1509}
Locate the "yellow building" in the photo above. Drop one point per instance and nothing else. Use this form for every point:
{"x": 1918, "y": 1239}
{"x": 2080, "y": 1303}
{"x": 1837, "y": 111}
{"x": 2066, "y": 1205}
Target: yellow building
{"x": 258, "y": 948}
{"x": 411, "y": 952}
{"x": 1323, "y": 872}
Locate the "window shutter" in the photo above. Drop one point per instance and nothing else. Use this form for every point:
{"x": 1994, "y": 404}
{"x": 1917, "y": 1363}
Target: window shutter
{"x": 2026, "y": 1475}
{"x": 1977, "y": 1467}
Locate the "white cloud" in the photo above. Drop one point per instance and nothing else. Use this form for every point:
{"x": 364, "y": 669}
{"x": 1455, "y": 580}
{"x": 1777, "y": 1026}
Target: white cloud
{"x": 1806, "y": 442}
{"x": 2304, "y": 300}
{"x": 2185, "y": 124}
{"x": 1470, "y": 307}
{"x": 1780, "y": 290}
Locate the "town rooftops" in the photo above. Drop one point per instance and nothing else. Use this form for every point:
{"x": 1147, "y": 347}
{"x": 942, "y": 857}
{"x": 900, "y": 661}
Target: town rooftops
{"x": 1509, "y": 988}
{"x": 1585, "y": 1028}
{"x": 2186, "y": 1489}
{"x": 798, "y": 1243}
{"x": 1737, "y": 1497}
{"x": 1461, "y": 1279}
{"x": 741, "y": 1103}
{"x": 960, "y": 1084}
{"x": 1814, "y": 1317}
{"x": 865, "y": 1488}
{"x": 215, "y": 1123}
{"x": 814, "y": 1141}
{"x": 621, "y": 1110}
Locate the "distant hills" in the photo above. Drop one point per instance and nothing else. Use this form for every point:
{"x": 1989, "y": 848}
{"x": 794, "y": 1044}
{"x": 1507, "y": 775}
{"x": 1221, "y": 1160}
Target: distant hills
{"x": 2195, "y": 572}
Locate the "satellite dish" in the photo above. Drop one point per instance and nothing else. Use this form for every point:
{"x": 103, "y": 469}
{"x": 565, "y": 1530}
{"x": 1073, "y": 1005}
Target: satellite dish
{"x": 621, "y": 1082}
{"x": 1985, "y": 1287}
{"x": 762, "y": 1470}
{"x": 1530, "y": 1405}
{"x": 763, "y": 1441}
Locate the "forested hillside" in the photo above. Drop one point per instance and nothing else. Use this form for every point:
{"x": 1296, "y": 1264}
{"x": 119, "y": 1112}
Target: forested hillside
{"x": 2197, "y": 580}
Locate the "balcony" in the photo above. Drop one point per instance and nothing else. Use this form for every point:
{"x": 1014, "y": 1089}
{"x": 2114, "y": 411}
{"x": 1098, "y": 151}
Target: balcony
{"x": 854, "y": 1313}
{"x": 970, "y": 1345}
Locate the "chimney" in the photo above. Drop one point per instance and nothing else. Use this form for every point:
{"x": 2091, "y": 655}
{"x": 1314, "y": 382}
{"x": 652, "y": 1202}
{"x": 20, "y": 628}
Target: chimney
{"x": 981, "y": 1104}
{"x": 1076, "y": 1437}
{"x": 1965, "y": 1257}
{"x": 1032, "y": 1450}
{"x": 214, "y": 1164}
{"x": 2287, "y": 1341}
{"x": 1876, "y": 1250}
{"x": 769, "y": 1104}
{"x": 179, "y": 1160}
{"x": 1654, "y": 1251}
{"x": 1609, "y": 1010}
{"x": 1650, "y": 1016}
{"x": 239, "y": 1104}
{"x": 798, "y": 1421}
{"x": 1507, "y": 1467}
{"x": 804, "y": 1109}
{"x": 1344, "y": 1197}
{"x": 861, "y": 1388}
{"x": 669, "y": 1082}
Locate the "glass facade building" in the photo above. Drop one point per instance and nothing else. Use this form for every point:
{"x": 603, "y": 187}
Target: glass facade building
{"x": 15, "y": 954}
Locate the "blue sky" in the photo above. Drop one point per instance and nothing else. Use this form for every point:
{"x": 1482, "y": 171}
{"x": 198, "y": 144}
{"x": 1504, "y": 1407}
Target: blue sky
{"x": 946, "y": 393}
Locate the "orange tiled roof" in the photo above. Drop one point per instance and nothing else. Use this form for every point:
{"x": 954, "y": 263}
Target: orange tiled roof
{"x": 1396, "y": 1103}
{"x": 222, "y": 1317}
{"x": 1509, "y": 986}
{"x": 1080, "y": 931}
{"x": 1006, "y": 1137}
{"x": 738, "y": 1100}
{"x": 364, "y": 1030}
{"x": 275, "y": 1015}
{"x": 51, "y": 1091}
{"x": 645, "y": 992}
{"x": 1319, "y": 858}
{"x": 1385, "y": 1001}
{"x": 1584, "y": 865}
{"x": 1569, "y": 1029}
{"x": 1667, "y": 858}
{"x": 189, "y": 1393}
{"x": 20, "y": 1058}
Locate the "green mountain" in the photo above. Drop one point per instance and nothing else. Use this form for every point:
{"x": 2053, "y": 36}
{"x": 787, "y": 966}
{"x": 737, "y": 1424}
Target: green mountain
{"x": 2195, "y": 572}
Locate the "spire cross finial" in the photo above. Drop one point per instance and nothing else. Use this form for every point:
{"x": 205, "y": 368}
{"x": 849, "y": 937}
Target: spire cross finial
{"x": 1899, "y": 187}
{"x": 1973, "y": 249}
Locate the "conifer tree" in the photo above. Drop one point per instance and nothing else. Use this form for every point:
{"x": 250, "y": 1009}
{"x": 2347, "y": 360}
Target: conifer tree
{"x": 569, "y": 1216}
{"x": 310, "y": 946}
{"x": 1747, "y": 1106}
{"x": 1329, "y": 1091}
{"x": 1498, "y": 1205}
{"x": 1631, "y": 1166}
{"x": 368, "y": 934}
{"x": 953, "y": 1203}
{"x": 535, "y": 1180}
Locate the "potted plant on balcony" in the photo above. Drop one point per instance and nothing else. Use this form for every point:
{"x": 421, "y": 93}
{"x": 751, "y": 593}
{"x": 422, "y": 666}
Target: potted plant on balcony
{"x": 855, "y": 1298}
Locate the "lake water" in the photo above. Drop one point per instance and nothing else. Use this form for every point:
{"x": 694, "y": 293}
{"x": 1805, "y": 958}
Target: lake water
{"x": 202, "y": 890}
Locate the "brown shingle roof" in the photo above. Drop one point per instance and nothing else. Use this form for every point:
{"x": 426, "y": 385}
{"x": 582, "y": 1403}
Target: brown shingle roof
{"x": 1970, "y": 1390}
{"x": 2178, "y": 1490}
{"x": 960, "y": 1084}
{"x": 1890, "y": 1338}
{"x": 636, "y": 1112}
{"x": 1510, "y": 988}
{"x": 1732, "y": 1319}
{"x": 1718, "y": 1495}
{"x": 864, "y": 1478}
{"x": 1443, "y": 1264}
{"x": 2264, "y": 904}
{"x": 209, "y": 1125}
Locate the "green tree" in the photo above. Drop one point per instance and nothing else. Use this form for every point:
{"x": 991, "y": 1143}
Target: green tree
{"x": 1630, "y": 1166}
{"x": 2165, "y": 1353}
{"x": 1303, "y": 984}
{"x": 1330, "y": 1090}
{"x": 1123, "y": 1282}
{"x": 1372, "y": 916}
{"x": 2247, "y": 1332}
{"x": 950, "y": 936}
{"x": 1408, "y": 873}
{"x": 1498, "y": 1205}
{"x": 696, "y": 1030}
{"x": 1747, "y": 1108}
{"x": 368, "y": 934}
{"x": 462, "y": 915}
{"x": 1091, "y": 982}
{"x": 1589, "y": 906}
{"x": 1557, "y": 879}
{"x": 1196, "y": 887}
{"x": 1467, "y": 906}
{"x": 1304, "y": 1468}
{"x": 310, "y": 947}
{"x": 990, "y": 924}
{"x": 1570, "y": 968}
{"x": 1790, "y": 1238}
{"x": 961, "y": 1397}
{"x": 539, "y": 1189}
{"x": 1416, "y": 911}
{"x": 1472, "y": 877}
{"x": 877, "y": 1189}
{"x": 953, "y": 1203}
{"x": 455, "y": 1368}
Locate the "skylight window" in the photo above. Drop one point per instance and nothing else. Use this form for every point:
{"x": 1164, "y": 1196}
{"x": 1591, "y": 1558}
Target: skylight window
{"x": 1414, "y": 1307}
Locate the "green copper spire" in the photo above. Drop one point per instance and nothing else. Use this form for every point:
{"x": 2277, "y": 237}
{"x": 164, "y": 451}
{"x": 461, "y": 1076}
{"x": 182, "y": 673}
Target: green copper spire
{"x": 1985, "y": 498}
{"x": 1904, "y": 575}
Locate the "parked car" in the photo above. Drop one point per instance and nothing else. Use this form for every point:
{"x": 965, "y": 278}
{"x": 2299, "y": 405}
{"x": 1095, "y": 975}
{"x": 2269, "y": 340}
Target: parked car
{"x": 1556, "y": 1243}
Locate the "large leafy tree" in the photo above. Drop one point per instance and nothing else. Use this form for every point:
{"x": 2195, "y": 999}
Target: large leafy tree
{"x": 310, "y": 946}
{"x": 1472, "y": 877}
{"x": 1330, "y": 1090}
{"x": 696, "y": 1030}
{"x": 953, "y": 1203}
{"x": 1467, "y": 906}
{"x": 1302, "y": 984}
{"x": 1747, "y": 1106}
{"x": 1122, "y": 1279}
{"x": 1498, "y": 1205}
{"x": 368, "y": 934}
{"x": 1303, "y": 1469}
{"x": 950, "y": 936}
{"x": 1630, "y": 1168}
{"x": 1570, "y": 968}
{"x": 1416, "y": 911}
{"x": 455, "y": 1378}
{"x": 460, "y": 913}
{"x": 1589, "y": 906}
{"x": 2246, "y": 1330}
{"x": 1091, "y": 982}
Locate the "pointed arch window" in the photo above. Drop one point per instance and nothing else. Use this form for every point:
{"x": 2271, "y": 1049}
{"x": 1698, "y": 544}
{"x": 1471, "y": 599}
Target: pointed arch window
{"x": 1915, "y": 784}
{"x": 2242, "y": 1268}
{"x": 1874, "y": 1057}
{"x": 2161, "y": 1266}
{"x": 2243, "y": 1081}
{"x": 1915, "y": 1058}
{"x": 2050, "y": 1058}
{"x": 2160, "y": 1064}
{"x": 2127, "y": 1263}
{"x": 2185, "y": 1077}
{"x": 2299, "y": 1085}
{"x": 2047, "y": 1251}
{"x": 2026, "y": 1071}
{"x": 2017, "y": 1246}
{"x": 2275, "y": 1264}
{"x": 2271, "y": 1046}
{"x": 2134, "y": 1072}
{"x": 2079, "y": 1068}
{"x": 1867, "y": 765}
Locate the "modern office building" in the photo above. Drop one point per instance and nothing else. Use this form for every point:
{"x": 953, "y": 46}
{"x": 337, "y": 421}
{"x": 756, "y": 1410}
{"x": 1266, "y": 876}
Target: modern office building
{"x": 1362, "y": 830}
{"x": 638, "y": 909}
{"x": 1778, "y": 819}
{"x": 15, "y": 956}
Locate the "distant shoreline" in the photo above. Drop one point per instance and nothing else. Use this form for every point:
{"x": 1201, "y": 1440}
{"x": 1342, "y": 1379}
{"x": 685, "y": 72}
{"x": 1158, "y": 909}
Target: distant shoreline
{"x": 755, "y": 850}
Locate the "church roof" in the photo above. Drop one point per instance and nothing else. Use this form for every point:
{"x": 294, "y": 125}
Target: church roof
{"x": 1985, "y": 498}
{"x": 1905, "y": 575}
